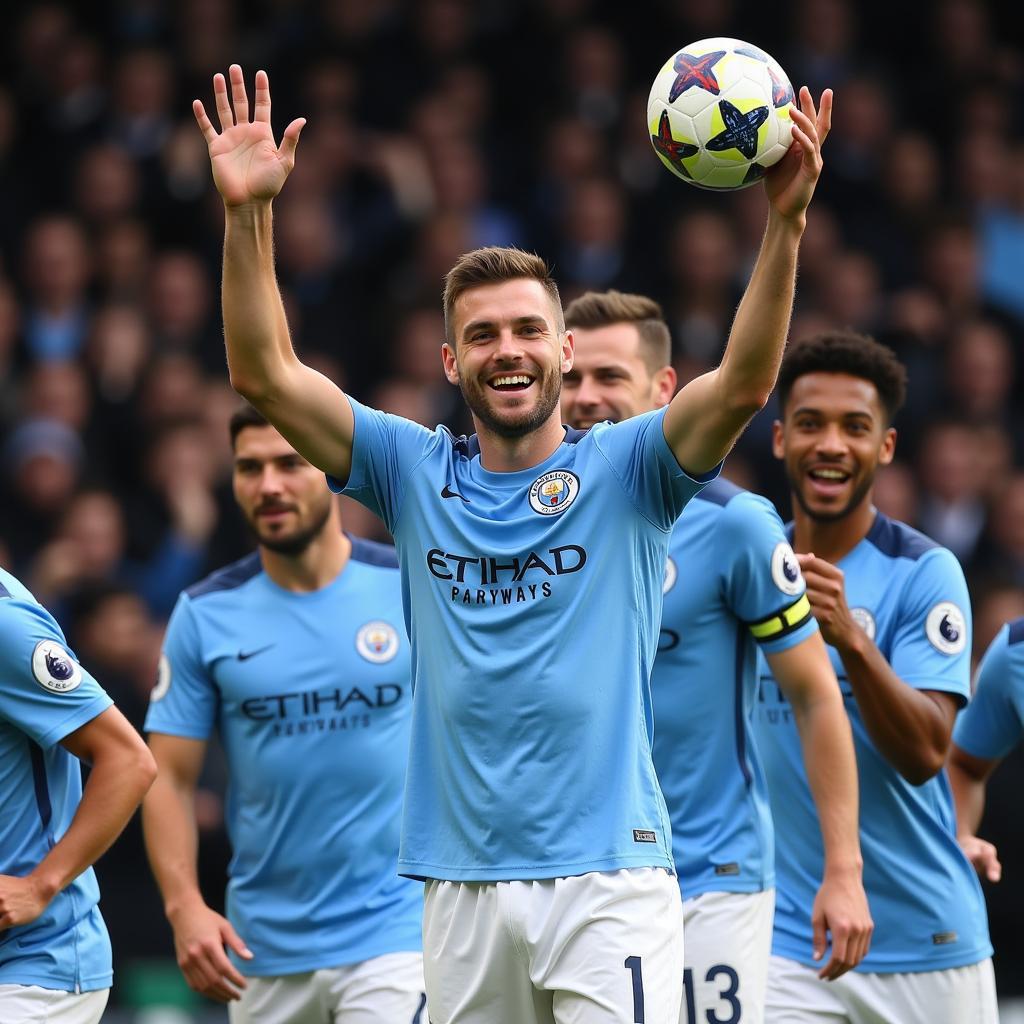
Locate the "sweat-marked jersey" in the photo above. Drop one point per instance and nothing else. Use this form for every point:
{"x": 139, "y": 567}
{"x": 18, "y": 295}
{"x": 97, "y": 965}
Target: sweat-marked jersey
{"x": 910, "y": 597}
{"x": 45, "y": 695}
{"x": 311, "y": 696}
{"x": 732, "y": 585}
{"x": 993, "y": 724}
{"x": 534, "y": 601}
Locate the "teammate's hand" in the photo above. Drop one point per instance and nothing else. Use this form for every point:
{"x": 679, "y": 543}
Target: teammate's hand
{"x": 826, "y": 592}
{"x": 790, "y": 184}
{"x": 983, "y": 855}
{"x": 841, "y": 911}
{"x": 200, "y": 935}
{"x": 22, "y": 900}
{"x": 247, "y": 165}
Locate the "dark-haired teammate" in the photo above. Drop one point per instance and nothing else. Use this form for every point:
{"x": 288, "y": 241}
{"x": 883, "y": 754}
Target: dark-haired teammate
{"x": 893, "y": 607}
{"x": 732, "y": 587}
{"x": 532, "y": 560}
{"x": 297, "y": 656}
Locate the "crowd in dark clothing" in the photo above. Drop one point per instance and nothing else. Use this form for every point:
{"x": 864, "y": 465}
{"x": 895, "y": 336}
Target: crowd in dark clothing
{"x": 435, "y": 127}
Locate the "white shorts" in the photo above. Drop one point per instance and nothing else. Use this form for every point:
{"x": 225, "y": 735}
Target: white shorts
{"x": 959, "y": 995}
{"x": 50, "y": 1005}
{"x": 600, "y": 948}
{"x": 728, "y": 942}
{"x": 385, "y": 988}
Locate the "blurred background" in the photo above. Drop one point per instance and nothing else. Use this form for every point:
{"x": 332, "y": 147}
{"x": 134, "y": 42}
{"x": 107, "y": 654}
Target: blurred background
{"x": 434, "y": 127}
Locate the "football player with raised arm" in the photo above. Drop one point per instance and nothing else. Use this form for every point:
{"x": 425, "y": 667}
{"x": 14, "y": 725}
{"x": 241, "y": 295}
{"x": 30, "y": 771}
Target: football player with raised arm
{"x": 732, "y": 586}
{"x": 893, "y": 608}
{"x": 55, "y": 956}
{"x": 986, "y": 731}
{"x": 297, "y": 656}
{"x": 532, "y": 806}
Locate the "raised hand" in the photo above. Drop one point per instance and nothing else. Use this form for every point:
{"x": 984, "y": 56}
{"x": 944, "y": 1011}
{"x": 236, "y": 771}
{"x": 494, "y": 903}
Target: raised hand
{"x": 790, "y": 184}
{"x": 248, "y": 167}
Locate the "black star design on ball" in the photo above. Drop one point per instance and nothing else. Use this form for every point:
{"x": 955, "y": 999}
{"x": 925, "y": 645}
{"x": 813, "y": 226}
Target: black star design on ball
{"x": 782, "y": 91}
{"x": 695, "y": 71}
{"x": 740, "y": 130}
{"x": 671, "y": 148}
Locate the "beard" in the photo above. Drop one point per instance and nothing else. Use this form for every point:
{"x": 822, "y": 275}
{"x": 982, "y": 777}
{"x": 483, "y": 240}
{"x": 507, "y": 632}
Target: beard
{"x": 476, "y": 397}
{"x": 860, "y": 492}
{"x": 293, "y": 544}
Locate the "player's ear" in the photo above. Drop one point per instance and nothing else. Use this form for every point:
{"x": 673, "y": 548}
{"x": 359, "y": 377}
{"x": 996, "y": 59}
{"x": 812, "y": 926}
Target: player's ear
{"x": 451, "y": 366}
{"x": 663, "y": 386}
{"x": 888, "y": 450}
{"x": 778, "y": 443}
{"x": 568, "y": 350}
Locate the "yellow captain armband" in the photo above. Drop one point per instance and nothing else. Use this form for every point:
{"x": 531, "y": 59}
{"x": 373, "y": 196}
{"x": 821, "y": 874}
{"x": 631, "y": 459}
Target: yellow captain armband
{"x": 782, "y": 623}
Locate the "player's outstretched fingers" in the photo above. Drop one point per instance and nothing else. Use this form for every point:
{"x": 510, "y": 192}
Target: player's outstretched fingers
{"x": 220, "y": 97}
{"x": 204, "y": 122}
{"x": 238, "y": 94}
{"x": 824, "y": 118}
{"x": 261, "y": 107}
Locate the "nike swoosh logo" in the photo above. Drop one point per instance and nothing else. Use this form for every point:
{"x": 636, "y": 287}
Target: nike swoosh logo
{"x": 447, "y": 492}
{"x": 246, "y": 655}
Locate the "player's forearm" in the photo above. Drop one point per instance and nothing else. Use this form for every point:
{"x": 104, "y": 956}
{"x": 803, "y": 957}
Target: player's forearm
{"x": 831, "y": 768}
{"x": 968, "y": 794}
{"x": 752, "y": 357}
{"x": 116, "y": 785}
{"x": 905, "y": 724}
{"x": 172, "y": 843}
{"x": 259, "y": 347}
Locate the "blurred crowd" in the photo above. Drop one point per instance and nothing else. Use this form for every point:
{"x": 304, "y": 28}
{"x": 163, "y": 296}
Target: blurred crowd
{"x": 434, "y": 127}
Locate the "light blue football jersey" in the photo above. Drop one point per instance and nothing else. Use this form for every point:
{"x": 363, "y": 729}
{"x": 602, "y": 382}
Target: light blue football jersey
{"x": 311, "y": 696}
{"x": 534, "y": 602}
{"x": 993, "y": 724}
{"x": 910, "y": 596}
{"x": 45, "y": 695}
{"x": 732, "y": 585}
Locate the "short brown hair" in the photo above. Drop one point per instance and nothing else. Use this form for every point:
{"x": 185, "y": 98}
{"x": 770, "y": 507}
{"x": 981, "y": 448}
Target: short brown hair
{"x": 494, "y": 265}
{"x": 602, "y": 309}
{"x": 244, "y": 416}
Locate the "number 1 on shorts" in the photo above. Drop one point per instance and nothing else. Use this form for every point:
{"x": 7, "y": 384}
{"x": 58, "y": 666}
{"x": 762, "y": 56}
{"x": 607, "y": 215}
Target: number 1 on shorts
{"x": 632, "y": 964}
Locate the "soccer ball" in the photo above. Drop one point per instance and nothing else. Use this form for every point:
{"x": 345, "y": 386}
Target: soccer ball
{"x": 718, "y": 113}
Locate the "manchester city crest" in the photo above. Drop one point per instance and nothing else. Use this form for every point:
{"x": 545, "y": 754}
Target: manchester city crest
{"x": 377, "y": 642}
{"x": 553, "y": 492}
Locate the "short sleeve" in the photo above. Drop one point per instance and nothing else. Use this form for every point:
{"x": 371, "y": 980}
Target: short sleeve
{"x": 930, "y": 647}
{"x": 184, "y": 701}
{"x": 991, "y": 726}
{"x": 44, "y": 691}
{"x": 385, "y": 449}
{"x": 645, "y": 465}
{"x": 763, "y": 584}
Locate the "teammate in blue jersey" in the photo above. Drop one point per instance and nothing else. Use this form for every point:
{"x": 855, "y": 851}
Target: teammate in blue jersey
{"x": 986, "y": 731}
{"x": 297, "y": 656}
{"x": 893, "y": 607}
{"x": 55, "y": 959}
{"x": 732, "y": 586}
{"x": 532, "y": 560}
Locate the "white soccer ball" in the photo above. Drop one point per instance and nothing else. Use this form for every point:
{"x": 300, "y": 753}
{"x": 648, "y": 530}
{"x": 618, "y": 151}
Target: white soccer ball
{"x": 718, "y": 113}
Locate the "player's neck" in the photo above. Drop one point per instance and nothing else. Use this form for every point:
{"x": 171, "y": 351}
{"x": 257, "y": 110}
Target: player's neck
{"x": 509, "y": 454}
{"x": 835, "y": 538}
{"x": 313, "y": 569}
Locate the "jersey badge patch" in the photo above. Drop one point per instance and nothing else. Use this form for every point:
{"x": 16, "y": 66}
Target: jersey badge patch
{"x": 671, "y": 575}
{"x": 946, "y": 629}
{"x": 865, "y": 620}
{"x": 786, "y": 570}
{"x": 377, "y": 642}
{"x": 552, "y": 493}
{"x": 163, "y": 680}
{"x": 54, "y": 669}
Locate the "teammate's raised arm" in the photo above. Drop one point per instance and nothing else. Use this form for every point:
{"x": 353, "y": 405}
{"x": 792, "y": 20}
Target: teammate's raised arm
{"x": 705, "y": 418}
{"x": 249, "y": 170}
